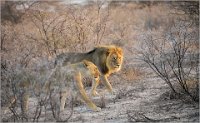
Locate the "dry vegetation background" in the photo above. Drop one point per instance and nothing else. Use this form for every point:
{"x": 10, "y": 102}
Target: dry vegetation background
{"x": 158, "y": 38}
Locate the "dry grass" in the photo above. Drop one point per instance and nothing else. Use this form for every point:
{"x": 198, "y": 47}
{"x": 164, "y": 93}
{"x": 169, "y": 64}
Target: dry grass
{"x": 131, "y": 74}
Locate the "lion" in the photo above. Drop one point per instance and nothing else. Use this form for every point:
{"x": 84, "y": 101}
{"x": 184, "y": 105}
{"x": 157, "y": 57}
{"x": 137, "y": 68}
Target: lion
{"x": 108, "y": 59}
{"x": 66, "y": 80}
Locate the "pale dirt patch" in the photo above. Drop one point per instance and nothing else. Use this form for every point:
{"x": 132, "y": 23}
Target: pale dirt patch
{"x": 144, "y": 100}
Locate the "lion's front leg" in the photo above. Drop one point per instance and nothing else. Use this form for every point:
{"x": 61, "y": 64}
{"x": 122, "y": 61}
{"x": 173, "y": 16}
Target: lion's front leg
{"x": 107, "y": 83}
{"x": 24, "y": 102}
{"x": 95, "y": 83}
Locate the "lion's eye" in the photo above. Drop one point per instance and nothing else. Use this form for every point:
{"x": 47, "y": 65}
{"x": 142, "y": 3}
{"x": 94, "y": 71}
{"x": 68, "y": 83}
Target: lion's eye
{"x": 114, "y": 58}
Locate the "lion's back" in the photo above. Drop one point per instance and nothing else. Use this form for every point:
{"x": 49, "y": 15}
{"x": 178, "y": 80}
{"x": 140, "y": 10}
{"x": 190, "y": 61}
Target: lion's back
{"x": 100, "y": 56}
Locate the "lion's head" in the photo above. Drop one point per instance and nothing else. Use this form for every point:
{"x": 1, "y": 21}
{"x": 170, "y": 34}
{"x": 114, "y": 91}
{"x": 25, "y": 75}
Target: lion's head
{"x": 114, "y": 59}
{"x": 108, "y": 58}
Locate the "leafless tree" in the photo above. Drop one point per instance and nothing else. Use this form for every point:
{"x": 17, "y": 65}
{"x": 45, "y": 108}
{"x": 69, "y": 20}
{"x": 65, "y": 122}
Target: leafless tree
{"x": 174, "y": 57}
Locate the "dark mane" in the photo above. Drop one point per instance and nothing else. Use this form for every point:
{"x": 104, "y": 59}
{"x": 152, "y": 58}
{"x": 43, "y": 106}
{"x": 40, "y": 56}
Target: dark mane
{"x": 92, "y": 51}
{"x": 104, "y": 69}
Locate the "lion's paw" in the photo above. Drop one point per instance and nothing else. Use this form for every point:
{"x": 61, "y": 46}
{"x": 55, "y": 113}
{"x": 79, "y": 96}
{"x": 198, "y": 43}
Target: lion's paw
{"x": 94, "y": 93}
{"x": 98, "y": 109}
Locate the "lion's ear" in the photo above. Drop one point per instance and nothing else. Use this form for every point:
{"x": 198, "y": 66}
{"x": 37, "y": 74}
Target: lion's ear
{"x": 108, "y": 52}
{"x": 119, "y": 50}
{"x": 86, "y": 63}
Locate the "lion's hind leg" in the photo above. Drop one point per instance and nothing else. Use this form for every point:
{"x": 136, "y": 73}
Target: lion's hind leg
{"x": 24, "y": 102}
{"x": 83, "y": 94}
{"x": 63, "y": 96}
{"x": 107, "y": 83}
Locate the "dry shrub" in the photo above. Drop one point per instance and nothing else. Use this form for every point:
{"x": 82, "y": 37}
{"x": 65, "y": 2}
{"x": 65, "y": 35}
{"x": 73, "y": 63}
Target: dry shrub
{"x": 193, "y": 87}
{"x": 168, "y": 55}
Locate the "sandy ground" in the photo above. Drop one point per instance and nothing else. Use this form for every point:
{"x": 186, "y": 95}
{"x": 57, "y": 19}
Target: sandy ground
{"x": 144, "y": 100}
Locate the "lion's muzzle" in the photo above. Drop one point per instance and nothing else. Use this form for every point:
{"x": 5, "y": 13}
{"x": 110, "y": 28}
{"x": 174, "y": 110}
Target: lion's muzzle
{"x": 117, "y": 66}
